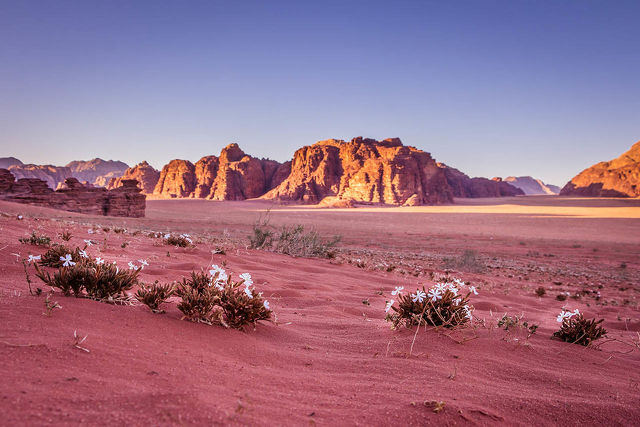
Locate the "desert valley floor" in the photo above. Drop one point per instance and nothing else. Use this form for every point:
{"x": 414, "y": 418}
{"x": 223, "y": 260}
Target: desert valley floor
{"x": 331, "y": 358}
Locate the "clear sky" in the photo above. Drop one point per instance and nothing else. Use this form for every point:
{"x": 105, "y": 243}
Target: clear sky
{"x": 494, "y": 88}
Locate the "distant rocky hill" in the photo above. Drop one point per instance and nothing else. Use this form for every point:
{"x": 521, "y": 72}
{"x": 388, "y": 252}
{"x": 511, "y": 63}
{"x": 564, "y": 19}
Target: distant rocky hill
{"x": 616, "y": 178}
{"x": 463, "y": 186}
{"x": 5, "y": 162}
{"x": 146, "y": 175}
{"x": 97, "y": 172}
{"x": 532, "y": 186}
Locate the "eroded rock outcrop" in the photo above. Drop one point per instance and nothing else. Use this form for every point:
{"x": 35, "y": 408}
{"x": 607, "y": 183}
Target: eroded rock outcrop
{"x": 52, "y": 175}
{"x": 233, "y": 175}
{"x": 616, "y": 178}
{"x": 75, "y": 196}
{"x": 145, "y": 174}
{"x": 364, "y": 170}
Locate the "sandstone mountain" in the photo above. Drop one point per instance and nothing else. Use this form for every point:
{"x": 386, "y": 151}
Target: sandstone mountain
{"x": 146, "y": 175}
{"x": 232, "y": 176}
{"x": 616, "y": 178}
{"x": 363, "y": 170}
{"x": 97, "y": 171}
{"x": 5, "y": 162}
{"x": 532, "y": 186}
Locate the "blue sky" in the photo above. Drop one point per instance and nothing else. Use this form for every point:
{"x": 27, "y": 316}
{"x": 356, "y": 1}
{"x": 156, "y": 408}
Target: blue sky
{"x": 494, "y": 88}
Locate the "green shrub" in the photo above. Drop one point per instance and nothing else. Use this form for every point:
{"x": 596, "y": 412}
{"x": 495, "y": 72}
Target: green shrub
{"x": 36, "y": 239}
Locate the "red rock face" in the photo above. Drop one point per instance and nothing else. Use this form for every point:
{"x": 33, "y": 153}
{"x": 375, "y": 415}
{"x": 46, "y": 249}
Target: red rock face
{"x": 177, "y": 179}
{"x": 464, "y": 186}
{"x": 145, "y": 174}
{"x": 363, "y": 170}
{"x": 616, "y": 178}
{"x": 74, "y": 196}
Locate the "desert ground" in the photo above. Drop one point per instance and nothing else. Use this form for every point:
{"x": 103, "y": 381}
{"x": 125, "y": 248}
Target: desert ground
{"x": 330, "y": 358}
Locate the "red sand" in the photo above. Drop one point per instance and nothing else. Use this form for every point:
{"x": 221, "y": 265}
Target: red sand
{"x": 331, "y": 359}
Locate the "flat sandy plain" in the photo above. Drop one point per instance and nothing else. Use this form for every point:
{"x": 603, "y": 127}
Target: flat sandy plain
{"x": 331, "y": 358}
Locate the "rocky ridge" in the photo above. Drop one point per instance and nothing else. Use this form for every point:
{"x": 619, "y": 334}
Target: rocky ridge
{"x": 616, "y": 178}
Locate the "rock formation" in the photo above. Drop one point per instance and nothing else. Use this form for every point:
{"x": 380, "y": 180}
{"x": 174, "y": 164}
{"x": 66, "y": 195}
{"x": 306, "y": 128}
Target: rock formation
{"x": 6, "y": 162}
{"x": 364, "y": 170}
{"x": 233, "y": 175}
{"x": 532, "y": 186}
{"x": 145, "y": 174}
{"x": 97, "y": 171}
{"x": 74, "y": 196}
{"x": 616, "y": 178}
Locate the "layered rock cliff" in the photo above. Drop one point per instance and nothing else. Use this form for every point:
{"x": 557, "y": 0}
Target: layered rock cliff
{"x": 233, "y": 175}
{"x": 616, "y": 178}
{"x": 364, "y": 170}
{"x": 74, "y": 196}
{"x": 52, "y": 175}
{"x": 145, "y": 174}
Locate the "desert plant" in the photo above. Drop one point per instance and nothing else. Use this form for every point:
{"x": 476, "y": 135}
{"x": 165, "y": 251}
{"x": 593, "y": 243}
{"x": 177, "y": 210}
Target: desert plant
{"x": 578, "y": 330}
{"x": 262, "y": 237}
{"x": 182, "y": 241}
{"x": 540, "y": 291}
{"x": 36, "y": 239}
{"x": 240, "y": 305}
{"x": 154, "y": 296}
{"x": 515, "y": 322}
{"x": 294, "y": 241}
{"x": 110, "y": 283}
{"x": 65, "y": 235}
{"x": 467, "y": 261}
{"x": 50, "y": 305}
{"x": 441, "y": 305}
{"x": 197, "y": 297}
{"x": 51, "y": 258}
{"x": 74, "y": 278}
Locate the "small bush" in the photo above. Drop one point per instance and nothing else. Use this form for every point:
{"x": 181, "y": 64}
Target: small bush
{"x": 51, "y": 258}
{"x": 294, "y": 241}
{"x": 182, "y": 241}
{"x": 513, "y": 322}
{"x": 100, "y": 282}
{"x": 541, "y": 291}
{"x": 578, "y": 330}
{"x": 217, "y": 299}
{"x": 154, "y": 296}
{"x": 36, "y": 239}
{"x": 441, "y": 305}
{"x": 467, "y": 261}
{"x": 66, "y": 235}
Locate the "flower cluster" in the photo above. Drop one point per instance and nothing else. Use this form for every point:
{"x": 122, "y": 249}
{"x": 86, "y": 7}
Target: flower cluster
{"x": 183, "y": 240}
{"x": 566, "y": 315}
{"x": 441, "y": 305}
{"x": 576, "y": 329}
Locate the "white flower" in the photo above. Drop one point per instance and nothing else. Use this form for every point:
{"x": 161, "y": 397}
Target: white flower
{"x": 441, "y": 287}
{"x": 217, "y": 286}
{"x": 99, "y": 261}
{"x": 266, "y": 304}
{"x": 19, "y": 216}
{"x": 90, "y": 231}
{"x": 245, "y": 276}
{"x": 434, "y": 294}
{"x": 132, "y": 266}
{"x": 88, "y": 242}
{"x": 248, "y": 292}
{"x": 166, "y": 236}
{"x": 143, "y": 263}
{"x": 468, "y": 315}
{"x": 33, "y": 258}
{"x": 453, "y": 289}
{"x": 389, "y": 305}
{"x": 222, "y": 277}
{"x": 566, "y": 315}
{"x": 397, "y": 291}
{"x": 67, "y": 260}
{"x": 418, "y": 296}
{"x": 83, "y": 254}
{"x": 473, "y": 290}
